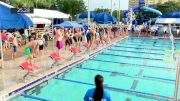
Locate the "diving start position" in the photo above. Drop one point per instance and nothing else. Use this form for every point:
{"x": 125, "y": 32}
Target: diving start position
{"x": 30, "y": 51}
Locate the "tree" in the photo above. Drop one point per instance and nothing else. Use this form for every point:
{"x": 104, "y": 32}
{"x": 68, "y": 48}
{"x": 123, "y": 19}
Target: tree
{"x": 100, "y": 10}
{"x": 44, "y": 4}
{"x": 168, "y": 6}
{"x": 72, "y": 7}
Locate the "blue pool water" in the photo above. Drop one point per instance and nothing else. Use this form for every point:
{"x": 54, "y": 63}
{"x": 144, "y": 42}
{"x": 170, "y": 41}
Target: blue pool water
{"x": 134, "y": 70}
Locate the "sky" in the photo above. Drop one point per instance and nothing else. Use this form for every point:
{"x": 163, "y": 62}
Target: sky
{"x": 107, "y": 4}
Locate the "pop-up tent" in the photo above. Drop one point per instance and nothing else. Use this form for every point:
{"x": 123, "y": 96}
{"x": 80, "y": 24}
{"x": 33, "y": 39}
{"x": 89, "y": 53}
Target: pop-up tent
{"x": 44, "y": 13}
{"x": 168, "y": 21}
{"x": 69, "y": 24}
{"x": 85, "y": 15}
{"x": 10, "y": 21}
{"x": 104, "y": 18}
{"x": 41, "y": 21}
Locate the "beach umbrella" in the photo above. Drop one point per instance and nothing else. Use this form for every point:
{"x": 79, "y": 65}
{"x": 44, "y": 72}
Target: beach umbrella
{"x": 104, "y": 18}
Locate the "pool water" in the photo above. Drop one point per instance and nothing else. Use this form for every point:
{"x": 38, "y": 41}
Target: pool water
{"x": 134, "y": 70}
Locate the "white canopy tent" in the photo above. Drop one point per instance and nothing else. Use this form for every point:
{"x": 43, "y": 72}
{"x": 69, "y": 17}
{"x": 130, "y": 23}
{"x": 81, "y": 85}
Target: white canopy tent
{"x": 168, "y": 21}
{"x": 51, "y": 14}
{"x": 41, "y": 21}
{"x": 43, "y": 13}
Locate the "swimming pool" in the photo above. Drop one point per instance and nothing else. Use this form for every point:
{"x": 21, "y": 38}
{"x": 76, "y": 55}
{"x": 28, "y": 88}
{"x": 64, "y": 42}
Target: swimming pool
{"x": 134, "y": 70}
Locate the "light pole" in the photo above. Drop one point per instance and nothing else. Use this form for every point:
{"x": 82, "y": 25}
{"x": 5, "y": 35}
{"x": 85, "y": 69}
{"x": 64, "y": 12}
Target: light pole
{"x": 89, "y": 22}
{"x": 111, "y": 7}
{"x": 119, "y": 10}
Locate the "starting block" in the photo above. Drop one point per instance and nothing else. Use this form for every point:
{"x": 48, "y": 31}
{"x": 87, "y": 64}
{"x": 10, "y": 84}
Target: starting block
{"x": 31, "y": 69}
{"x": 56, "y": 59}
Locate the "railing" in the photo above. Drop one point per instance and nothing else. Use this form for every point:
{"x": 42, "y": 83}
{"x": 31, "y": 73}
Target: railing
{"x": 175, "y": 57}
{"x": 177, "y": 78}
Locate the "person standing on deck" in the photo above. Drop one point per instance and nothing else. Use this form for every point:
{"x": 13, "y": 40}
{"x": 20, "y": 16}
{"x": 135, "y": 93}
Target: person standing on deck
{"x": 59, "y": 40}
{"x": 98, "y": 93}
{"x": 15, "y": 46}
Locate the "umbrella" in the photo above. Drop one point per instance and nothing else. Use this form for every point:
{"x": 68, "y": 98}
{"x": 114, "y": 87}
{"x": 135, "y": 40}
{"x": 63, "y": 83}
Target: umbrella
{"x": 104, "y": 18}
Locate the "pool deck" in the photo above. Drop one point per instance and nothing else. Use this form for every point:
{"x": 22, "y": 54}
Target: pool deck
{"x": 11, "y": 83}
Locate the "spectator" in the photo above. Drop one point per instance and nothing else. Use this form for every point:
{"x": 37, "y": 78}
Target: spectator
{"x": 98, "y": 93}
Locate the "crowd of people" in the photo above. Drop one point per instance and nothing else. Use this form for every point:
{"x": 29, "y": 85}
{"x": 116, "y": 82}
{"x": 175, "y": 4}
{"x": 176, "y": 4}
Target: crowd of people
{"x": 153, "y": 30}
{"x": 36, "y": 44}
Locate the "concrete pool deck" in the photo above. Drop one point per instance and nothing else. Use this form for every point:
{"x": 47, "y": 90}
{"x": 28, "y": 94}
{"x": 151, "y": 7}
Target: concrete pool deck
{"x": 11, "y": 75}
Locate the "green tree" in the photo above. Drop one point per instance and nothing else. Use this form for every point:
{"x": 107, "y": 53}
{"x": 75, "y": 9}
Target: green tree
{"x": 44, "y": 4}
{"x": 168, "y": 6}
{"x": 72, "y": 7}
{"x": 100, "y": 10}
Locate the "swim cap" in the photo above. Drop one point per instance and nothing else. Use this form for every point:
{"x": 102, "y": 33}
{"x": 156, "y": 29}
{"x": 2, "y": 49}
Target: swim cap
{"x": 40, "y": 42}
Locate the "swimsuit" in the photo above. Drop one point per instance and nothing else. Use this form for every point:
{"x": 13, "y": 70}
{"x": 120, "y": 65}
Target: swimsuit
{"x": 59, "y": 44}
{"x": 28, "y": 51}
{"x": 15, "y": 48}
{"x": 68, "y": 41}
{"x": 41, "y": 47}
{"x": 89, "y": 36}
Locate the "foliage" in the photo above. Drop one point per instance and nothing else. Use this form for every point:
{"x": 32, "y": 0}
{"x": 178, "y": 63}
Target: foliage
{"x": 168, "y": 6}
{"x": 72, "y": 7}
{"x": 46, "y": 4}
{"x": 99, "y": 10}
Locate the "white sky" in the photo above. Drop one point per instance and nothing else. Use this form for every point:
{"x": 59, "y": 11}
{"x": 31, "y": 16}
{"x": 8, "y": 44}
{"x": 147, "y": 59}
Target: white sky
{"x": 107, "y": 4}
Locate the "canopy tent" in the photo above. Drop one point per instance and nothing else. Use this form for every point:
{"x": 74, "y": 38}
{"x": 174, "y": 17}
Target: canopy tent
{"x": 41, "y": 21}
{"x": 43, "y": 13}
{"x": 85, "y": 15}
{"x": 173, "y": 14}
{"x": 11, "y": 21}
{"x": 104, "y": 18}
{"x": 168, "y": 21}
{"x": 57, "y": 21}
{"x": 69, "y": 24}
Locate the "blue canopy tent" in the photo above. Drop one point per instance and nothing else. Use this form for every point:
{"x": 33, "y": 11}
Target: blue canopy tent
{"x": 85, "y": 15}
{"x": 104, "y": 18}
{"x": 69, "y": 24}
{"x": 173, "y": 14}
{"x": 11, "y": 21}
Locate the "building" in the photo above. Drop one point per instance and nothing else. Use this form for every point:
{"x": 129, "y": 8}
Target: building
{"x": 133, "y": 3}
